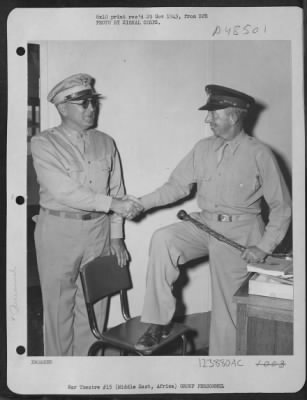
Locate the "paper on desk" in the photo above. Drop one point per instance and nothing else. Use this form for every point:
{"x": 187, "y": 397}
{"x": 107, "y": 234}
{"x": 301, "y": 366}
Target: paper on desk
{"x": 265, "y": 285}
{"x": 273, "y": 266}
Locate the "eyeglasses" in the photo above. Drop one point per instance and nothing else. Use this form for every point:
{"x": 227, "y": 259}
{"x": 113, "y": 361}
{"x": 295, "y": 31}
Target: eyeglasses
{"x": 85, "y": 103}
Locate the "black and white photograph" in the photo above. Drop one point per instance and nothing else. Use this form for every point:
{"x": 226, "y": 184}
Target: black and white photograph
{"x": 159, "y": 162}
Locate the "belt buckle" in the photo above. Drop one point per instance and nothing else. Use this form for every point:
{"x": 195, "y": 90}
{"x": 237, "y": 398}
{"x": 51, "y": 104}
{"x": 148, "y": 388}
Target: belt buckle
{"x": 224, "y": 218}
{"x": 86, "y": 217}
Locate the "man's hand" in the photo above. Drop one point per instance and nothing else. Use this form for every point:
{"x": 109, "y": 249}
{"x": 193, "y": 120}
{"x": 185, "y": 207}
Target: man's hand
{"x": 118, "y": 249}
{"x": 140, "y": 206}
{"x": 128, "y": 206}
{"x": 254, "y": 255}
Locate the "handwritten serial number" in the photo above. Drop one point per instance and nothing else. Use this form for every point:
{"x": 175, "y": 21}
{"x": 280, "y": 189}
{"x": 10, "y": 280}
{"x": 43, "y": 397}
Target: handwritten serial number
{"x": 236, "y": 30}
{"x": 219, "y": 363}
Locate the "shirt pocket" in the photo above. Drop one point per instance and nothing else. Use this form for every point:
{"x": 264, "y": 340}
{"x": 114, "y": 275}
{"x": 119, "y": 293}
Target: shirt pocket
{"x": 101, "y": 174}
{"x": 205, "y": 177}
{"x": 204, "y": 184}
{"x": 76, "y": 173}
{"x": 102, "y": 164}
{"x": 240, "y": 188}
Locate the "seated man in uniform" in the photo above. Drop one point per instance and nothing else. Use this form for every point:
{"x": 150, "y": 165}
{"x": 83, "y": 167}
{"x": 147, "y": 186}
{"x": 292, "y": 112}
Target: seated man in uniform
{"x": 233, "y": 172}
{"x": 82, "y": 206}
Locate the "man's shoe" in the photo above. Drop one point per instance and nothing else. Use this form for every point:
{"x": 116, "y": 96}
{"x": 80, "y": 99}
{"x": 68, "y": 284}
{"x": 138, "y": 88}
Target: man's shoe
{"x": 153, "y": 336}
{"x": 166, "y": 330}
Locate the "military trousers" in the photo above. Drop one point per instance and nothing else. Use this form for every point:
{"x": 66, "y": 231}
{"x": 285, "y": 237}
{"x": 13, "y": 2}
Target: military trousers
{"x": 62, "y": 246}
{"x": 172, "y": 246}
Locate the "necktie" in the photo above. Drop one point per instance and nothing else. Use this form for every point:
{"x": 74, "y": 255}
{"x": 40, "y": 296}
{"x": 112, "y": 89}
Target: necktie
{"x": 221, "y": 153}
{"x": 81, "y": 143}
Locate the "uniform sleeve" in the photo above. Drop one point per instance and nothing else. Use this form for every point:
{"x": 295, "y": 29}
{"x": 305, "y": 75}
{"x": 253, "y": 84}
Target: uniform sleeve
{"x": 177, "y": 187}
{"x": 278, "y": 199}
{"x": 116, "y": 190}
{"x": 52, "y": 174}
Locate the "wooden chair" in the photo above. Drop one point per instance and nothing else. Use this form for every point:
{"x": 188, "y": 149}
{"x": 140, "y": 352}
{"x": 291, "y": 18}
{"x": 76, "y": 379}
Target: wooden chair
{"x": 102, "y": 278}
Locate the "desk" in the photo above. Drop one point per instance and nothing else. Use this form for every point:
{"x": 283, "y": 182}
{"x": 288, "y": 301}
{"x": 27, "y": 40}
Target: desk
{"x": 264, "y": 324}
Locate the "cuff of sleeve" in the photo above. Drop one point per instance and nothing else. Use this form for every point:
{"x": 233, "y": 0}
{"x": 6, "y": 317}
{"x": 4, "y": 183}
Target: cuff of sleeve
{"x": 266, "y": 247}
{"x": 146, "y": 203}
{"x": 116, "y": 230}
{"x": 103, "y": 203}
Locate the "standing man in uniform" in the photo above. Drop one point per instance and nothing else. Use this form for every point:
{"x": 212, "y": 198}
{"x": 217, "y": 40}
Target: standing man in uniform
{"x": 81, "y": 191}
{"x": 233, "y": 172}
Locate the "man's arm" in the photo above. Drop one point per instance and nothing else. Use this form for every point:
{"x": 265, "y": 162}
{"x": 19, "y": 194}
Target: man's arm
{"x": 122, "y": 207}
{"x": 277, "y": 196}
{"x": 177, "y": 187}
{"x": 117, "y": 190}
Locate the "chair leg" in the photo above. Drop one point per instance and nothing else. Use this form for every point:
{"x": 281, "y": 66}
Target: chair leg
{"x": 184, "y": 344}
{"x": 95, "y": 347}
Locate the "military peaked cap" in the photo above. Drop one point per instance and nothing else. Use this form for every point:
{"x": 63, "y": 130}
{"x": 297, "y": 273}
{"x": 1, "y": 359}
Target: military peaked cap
{"x": 220, "y": 97}
{"x": 75, "y": 87}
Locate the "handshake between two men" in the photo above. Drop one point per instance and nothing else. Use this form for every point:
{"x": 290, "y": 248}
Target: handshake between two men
{"x": 128, "y": 206}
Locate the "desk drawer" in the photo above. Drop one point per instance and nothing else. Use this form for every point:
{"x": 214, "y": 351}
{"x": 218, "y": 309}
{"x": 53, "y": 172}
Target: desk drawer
{"x": 269, "y": 337}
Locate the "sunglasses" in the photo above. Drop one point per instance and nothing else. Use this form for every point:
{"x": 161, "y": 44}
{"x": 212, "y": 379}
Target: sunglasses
{"x": 85, "y": 103}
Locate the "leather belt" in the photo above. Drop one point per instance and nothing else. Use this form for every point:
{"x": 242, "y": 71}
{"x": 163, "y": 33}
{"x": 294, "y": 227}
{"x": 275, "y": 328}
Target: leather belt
{"x": 227, "y": 217}
{"x": 72, "y": 214}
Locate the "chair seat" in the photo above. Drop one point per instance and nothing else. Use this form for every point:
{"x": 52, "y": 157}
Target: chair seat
{"x": 126, "y": 335}
{"x": 101, "y": 278}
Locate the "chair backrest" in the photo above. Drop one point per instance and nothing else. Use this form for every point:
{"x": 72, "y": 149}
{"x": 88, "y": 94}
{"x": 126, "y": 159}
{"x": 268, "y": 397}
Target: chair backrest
{"x": 103, "y": 277}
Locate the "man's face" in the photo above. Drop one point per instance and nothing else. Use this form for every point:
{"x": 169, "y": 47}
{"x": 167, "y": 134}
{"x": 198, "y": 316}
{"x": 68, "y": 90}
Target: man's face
{"x": 81, "y": 113}
{"x": 220, "y": 123}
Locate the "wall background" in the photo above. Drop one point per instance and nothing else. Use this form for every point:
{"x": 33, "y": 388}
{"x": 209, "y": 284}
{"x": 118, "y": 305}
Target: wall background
{"x": 153, "y": 90}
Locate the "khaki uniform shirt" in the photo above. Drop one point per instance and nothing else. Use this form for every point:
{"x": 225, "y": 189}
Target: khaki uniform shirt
{"x": 78, "y": 173}
{"x": 231, "y": 183}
